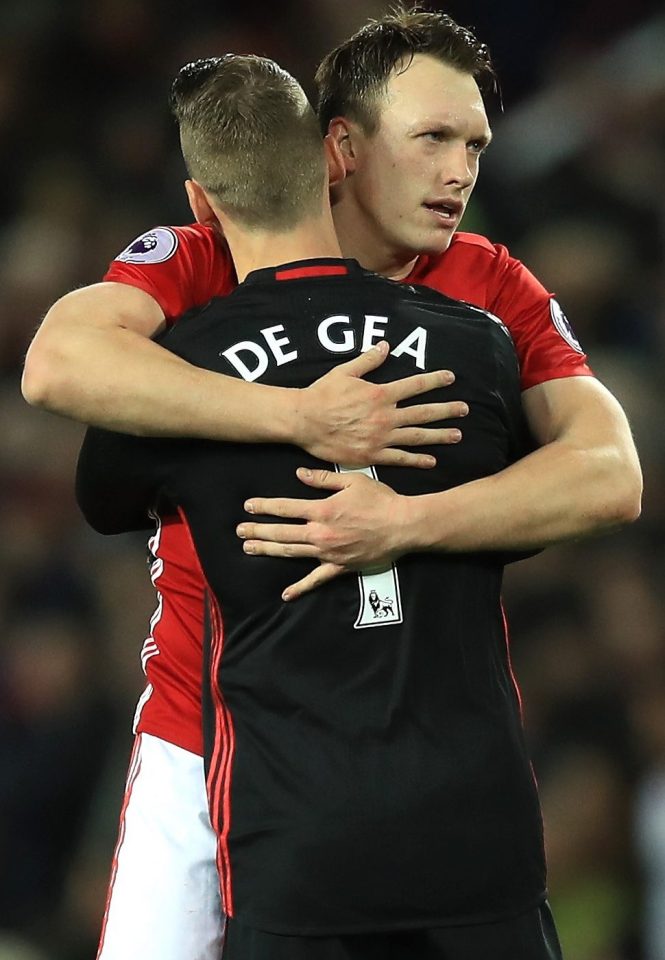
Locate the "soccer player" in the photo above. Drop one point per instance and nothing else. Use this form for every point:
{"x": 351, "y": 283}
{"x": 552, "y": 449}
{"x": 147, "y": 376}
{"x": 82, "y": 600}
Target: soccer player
{"x": 397, "y": 209}
{"x": 368, "y": 780}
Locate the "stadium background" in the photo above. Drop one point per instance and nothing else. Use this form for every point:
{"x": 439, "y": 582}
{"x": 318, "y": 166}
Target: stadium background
{"x": 574, "y": 186}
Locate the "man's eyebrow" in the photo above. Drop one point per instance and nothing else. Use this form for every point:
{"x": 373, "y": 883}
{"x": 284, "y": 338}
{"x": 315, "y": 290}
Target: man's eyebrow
{"x": 447, "y": 129}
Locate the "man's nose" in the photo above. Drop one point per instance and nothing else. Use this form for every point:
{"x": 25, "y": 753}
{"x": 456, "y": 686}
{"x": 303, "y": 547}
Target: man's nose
{"x": 457, "y": 168}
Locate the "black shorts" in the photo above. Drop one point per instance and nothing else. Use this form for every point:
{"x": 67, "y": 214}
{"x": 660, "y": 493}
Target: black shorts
{"x": 531, "y": 936}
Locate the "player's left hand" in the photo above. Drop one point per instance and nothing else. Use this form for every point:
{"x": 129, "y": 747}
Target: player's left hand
{"x": 362, "y": 524}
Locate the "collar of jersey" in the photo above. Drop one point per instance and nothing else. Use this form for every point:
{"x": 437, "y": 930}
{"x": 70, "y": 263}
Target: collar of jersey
{"x": 319, "y": 267}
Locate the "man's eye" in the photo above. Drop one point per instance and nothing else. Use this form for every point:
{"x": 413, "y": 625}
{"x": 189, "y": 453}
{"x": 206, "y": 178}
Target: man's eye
{"x": 435, "y": 135}
{"x": 477, "y": 146}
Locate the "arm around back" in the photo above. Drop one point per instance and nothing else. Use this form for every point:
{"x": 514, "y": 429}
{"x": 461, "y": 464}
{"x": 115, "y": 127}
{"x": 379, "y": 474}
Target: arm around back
{"x": 587, "y": 423}
{"x": 117, "y": 481}
{"x": 584, "y": 478}
{"x": 93, "y": 359}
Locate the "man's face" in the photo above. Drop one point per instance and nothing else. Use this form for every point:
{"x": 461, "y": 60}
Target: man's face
{"x": 414, "y": 175}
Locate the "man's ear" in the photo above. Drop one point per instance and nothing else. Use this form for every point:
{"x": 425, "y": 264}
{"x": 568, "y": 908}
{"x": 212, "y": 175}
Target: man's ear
{"x": 200, "y": 205}
{"x": 335, "y": 161}
{"x": 341, "y": 143}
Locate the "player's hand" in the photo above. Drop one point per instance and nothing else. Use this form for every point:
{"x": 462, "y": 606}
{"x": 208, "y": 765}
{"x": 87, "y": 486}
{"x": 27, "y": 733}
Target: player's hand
{"x": 345, "y": 419}
{"x": 362, "y": 524}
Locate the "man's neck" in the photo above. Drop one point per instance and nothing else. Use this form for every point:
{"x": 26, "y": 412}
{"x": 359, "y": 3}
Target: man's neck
{"x": 359, "y": 240}
{"x": 256, "y": 249}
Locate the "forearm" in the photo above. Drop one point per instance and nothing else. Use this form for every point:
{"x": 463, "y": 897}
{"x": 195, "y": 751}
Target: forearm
{"x": 115, "y": 487}
{"x": 584, "y": 478}
{"x": 110, "y": 375}
{"x": 94, "y": 359}
{"x": 556, "y": 493}
{"x": 125, "y": 382}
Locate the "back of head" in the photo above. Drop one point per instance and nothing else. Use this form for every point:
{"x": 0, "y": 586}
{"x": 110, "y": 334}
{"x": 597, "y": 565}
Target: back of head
{"x": 352, "y": 77}
{"x": 250, "y": 138}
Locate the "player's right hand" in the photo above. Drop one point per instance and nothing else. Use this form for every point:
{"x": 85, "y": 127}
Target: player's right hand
{"x": 344, "y": 419}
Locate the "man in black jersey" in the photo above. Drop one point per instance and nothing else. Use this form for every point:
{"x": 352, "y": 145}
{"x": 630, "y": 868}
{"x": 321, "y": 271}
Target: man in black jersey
{"x": 367, "y": 775}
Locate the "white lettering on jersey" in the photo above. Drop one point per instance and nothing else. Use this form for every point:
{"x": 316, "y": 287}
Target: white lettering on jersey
{"x": 347, "y": 342}
{"x": 413, "y": 345}
{"x": 269, "y": 335}
{"x": 274, "y": 343}
{"x": 563, "y": 327}
{"x": 372, "y": 331}
{"x": 155, "y": 246}
{"x": 343, "y": 340}
{"x": 246, "y": 372}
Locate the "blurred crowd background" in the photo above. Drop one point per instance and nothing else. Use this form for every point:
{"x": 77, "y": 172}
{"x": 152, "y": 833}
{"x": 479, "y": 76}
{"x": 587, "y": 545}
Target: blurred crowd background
{"x": 574, "y": 185}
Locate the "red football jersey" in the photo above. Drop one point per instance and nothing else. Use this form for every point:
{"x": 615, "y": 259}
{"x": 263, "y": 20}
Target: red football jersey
{"x": 184, "y": 267}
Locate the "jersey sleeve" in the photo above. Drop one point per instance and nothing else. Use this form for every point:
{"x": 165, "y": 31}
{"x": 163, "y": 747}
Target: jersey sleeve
{"x": 117, "y": 481}
{"x": 544, "y": 339}
{"x": 180, "y": 267}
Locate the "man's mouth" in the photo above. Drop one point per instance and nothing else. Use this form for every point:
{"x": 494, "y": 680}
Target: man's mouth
{"x": 448, "y": 212}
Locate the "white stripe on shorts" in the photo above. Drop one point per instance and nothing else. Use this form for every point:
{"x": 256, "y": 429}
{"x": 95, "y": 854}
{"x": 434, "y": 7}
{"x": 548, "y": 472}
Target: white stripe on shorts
{"x": 164, "y": 901}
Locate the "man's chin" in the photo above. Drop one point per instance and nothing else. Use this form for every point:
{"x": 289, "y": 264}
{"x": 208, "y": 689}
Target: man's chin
{"x": 434, "y": 244}
{"x": 406, "y": 249}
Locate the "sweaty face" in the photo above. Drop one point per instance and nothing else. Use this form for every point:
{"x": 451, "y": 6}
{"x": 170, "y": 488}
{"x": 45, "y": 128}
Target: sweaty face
{"x": 415, "y": 174}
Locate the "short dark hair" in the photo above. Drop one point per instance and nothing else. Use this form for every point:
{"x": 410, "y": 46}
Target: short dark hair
{"x": 250, "y": 137}
{"x": 352, "y": 76}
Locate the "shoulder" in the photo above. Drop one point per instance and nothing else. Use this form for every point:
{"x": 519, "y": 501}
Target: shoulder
{"x": 473, "y": 249}
{"x": 421, "y": 298}
{"x": 180, "y": 267}
{"x": 472, "y": 268}
{"x": 474, "y": 243}
{"x": 161, "y": 243}
{"x": 484, "y": 273}
{"x": 201, "y": 236}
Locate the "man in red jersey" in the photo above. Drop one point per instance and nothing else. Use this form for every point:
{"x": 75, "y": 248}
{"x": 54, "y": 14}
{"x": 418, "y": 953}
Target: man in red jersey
{"x": 397, "y": 211}
{"x": 411, "y": 155}
{"x": 334, "y": 728}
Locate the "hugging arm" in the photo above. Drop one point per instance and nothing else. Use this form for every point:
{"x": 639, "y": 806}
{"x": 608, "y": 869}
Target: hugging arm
{"x": 583, "y": 479}
{"x": 116, "y": 481}
{"x": 94, "y": 359}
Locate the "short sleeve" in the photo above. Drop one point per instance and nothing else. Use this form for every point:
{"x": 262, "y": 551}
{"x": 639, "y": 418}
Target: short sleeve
{"x": 180, "y": 267}
{"x": 484, "y": 274}
{"x": 544, "y": 339}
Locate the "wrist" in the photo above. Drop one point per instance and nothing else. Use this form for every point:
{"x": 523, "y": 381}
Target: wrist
{"x": 407, "y": 525}
{"x": 418, "y": 532}
{"x": 287, "y": 415}
{"x": 299, "y": 418}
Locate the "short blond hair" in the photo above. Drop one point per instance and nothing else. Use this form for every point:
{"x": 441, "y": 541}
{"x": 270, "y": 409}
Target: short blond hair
{"x": 250, "y": 137}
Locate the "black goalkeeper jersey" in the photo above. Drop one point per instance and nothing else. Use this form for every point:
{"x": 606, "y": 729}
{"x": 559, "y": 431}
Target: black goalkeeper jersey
{"x": 365, "y": 756}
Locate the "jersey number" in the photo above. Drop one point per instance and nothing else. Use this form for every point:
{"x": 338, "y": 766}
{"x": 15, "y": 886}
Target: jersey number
{"x": 380, "y": 602}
